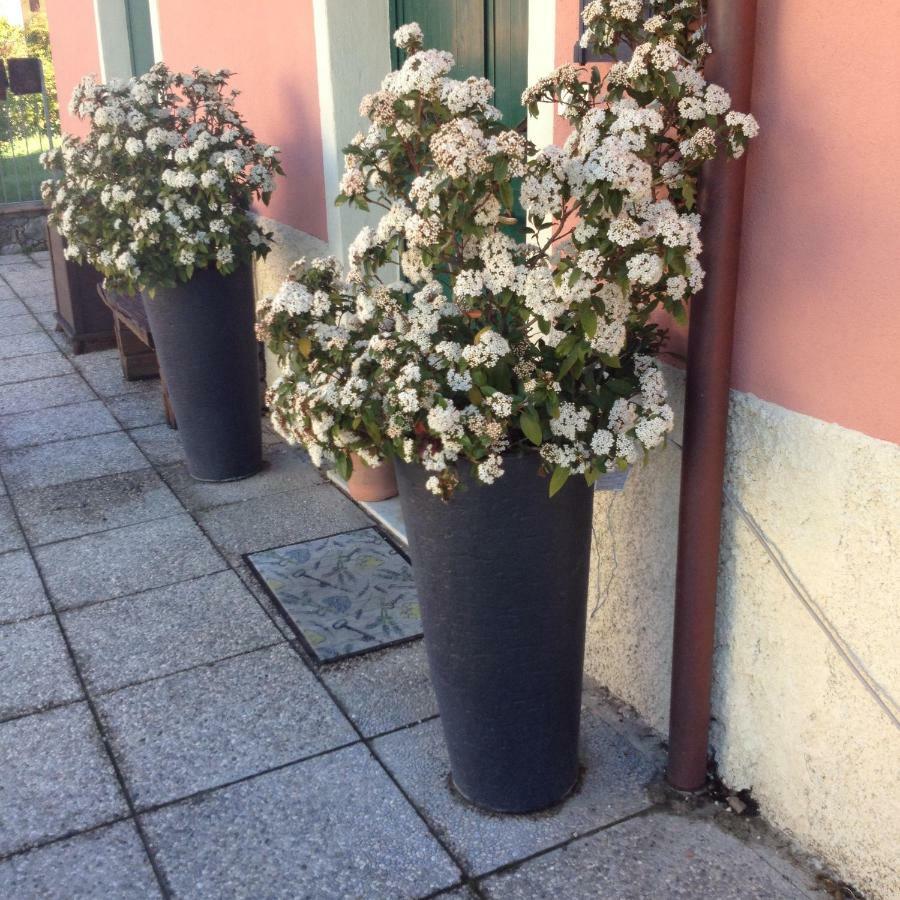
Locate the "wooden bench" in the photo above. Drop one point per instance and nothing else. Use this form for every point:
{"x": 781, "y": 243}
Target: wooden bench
{"x": 135, "y": 342}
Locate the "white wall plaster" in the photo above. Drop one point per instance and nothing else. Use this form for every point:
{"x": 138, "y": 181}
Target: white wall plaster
{"x": 812, "y": 516}
{"x": 352, "y": 57}
{"x": 541, "y": 60}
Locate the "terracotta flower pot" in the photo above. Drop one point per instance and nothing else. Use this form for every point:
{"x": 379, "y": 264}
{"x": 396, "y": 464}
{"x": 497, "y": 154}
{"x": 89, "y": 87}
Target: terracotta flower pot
{"x": 371, "y": 484}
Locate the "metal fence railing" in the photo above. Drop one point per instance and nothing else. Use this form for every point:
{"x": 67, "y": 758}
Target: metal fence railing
{"x": 26, "y": 130}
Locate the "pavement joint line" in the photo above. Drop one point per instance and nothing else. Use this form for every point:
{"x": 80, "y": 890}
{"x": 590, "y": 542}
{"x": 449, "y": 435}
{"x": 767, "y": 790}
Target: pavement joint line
{"x": 43, "y": 709}
{"x": 368, "y": 744}
{"x": 87, "y": 534}
{"x": 83, "y": 481}
{"x": 158, "y": 872}
{"x": 111, "y": 692}
{"x": 209, "y": 791}
{"x": 650, "y": 809}
{"x": 98, "y": 723}
{"x": 204, "y": 509}
{"x": 60, "y": 838}
{"x": 90, "y": 604}
{"x": 41, "y": 615}
{"x": 22, "y": 412}
{"x": 50, "y": 443}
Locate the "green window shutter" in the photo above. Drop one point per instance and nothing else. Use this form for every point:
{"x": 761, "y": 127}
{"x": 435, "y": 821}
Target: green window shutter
{"x": 487, "y": 37}
{"x": 507, "y": 62}
{"x": 140, "y": 35}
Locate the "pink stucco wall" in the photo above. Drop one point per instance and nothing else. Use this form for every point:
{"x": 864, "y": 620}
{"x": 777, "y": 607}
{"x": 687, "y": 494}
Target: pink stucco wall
{"x": 273, "y": 53}
{"x": 818, "y": 322}
{"x": 73, "y": 41}
{"x": 272, "y": 49}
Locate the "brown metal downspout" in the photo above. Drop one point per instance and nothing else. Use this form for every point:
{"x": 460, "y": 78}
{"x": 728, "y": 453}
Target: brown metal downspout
{"x": 732, "y": 26}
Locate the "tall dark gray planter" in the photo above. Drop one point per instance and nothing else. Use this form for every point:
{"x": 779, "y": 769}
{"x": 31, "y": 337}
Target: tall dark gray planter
{"x": 203, "y": 331}
{"x": 502, "y": 574}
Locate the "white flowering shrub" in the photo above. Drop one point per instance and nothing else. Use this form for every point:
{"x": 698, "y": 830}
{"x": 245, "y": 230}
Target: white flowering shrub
{"x": 495, "y": 341}
{"x": 162, "y": 184}
{"x": 325, "y": 396}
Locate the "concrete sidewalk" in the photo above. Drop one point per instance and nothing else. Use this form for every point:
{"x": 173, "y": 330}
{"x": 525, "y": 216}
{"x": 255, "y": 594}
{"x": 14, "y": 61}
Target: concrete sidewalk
{"x": 161, "y": 733}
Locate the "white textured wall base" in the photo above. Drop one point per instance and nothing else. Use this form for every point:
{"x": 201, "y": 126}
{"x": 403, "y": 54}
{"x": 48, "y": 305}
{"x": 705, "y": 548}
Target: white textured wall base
{"x": 810, "y": 530}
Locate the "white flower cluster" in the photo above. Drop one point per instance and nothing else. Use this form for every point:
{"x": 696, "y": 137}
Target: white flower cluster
{"x": 492, "y": 343}
{"x": 175, "y": 170}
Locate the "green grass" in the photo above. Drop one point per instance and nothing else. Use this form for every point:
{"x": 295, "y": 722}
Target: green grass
{"x": 21, "y": 173}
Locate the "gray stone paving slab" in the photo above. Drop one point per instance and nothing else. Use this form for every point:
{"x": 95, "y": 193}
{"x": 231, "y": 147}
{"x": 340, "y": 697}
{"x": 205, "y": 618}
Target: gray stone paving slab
{"x": 24, "y": 344}
{"x": 215, "y": 724}
{"x": 6, "y": 292}
{"x": 280, "y": 519}
{"x": 109, "y": 863}
{"x": 29, "y": 282}
{"x": 329, "y": 828}
{"x": 160, "y": 444}
{"x": 38, "y": 299}
{"x": 38, "y": 365}
{"x": 43, "y": 393}
{"x": 55, "y": 779}
{"x": 21, "y": 324}
{"x": 166, "y": 630}
{"x": 251, "y": 582}
{"x": 72, "y": 460}
{"x": 41, "y": 426}
{"x": 384, "y": 690}
{"x": 98, "y": 504}
{"x": 285, "y": 470}
{"x": 658, "y": 855}
{"x": 47, "y": 318}
{"x": 140, "y": 409}
{"x": 103, "y": 372}
{"x": 11, "y": 537}
{"x": 42, "y": 302}
{"x": 35, "y": 669}
{"x": 11, "y": 307}
{"x": 21, "y": 592}
{"x": 613, "y": 787}
{"x": 125, "y": 560}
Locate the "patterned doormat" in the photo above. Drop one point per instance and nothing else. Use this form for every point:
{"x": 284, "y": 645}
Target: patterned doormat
{"x": 343, "y": 595}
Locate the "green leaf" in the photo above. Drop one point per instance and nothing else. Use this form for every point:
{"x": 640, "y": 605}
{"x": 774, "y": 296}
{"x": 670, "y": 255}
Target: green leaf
{"x": 573, "y": 357}
{"x": 531, "y": 426}
{"x": 589, "y": 322}
{"x": 620, "y": 386}
{"x": 559, "y": 477}
{"x": 374, "y": 431}
{"x": 344, "y": 466}
{"x": 688, "y": 191}
{"x": 506, "y": 195}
